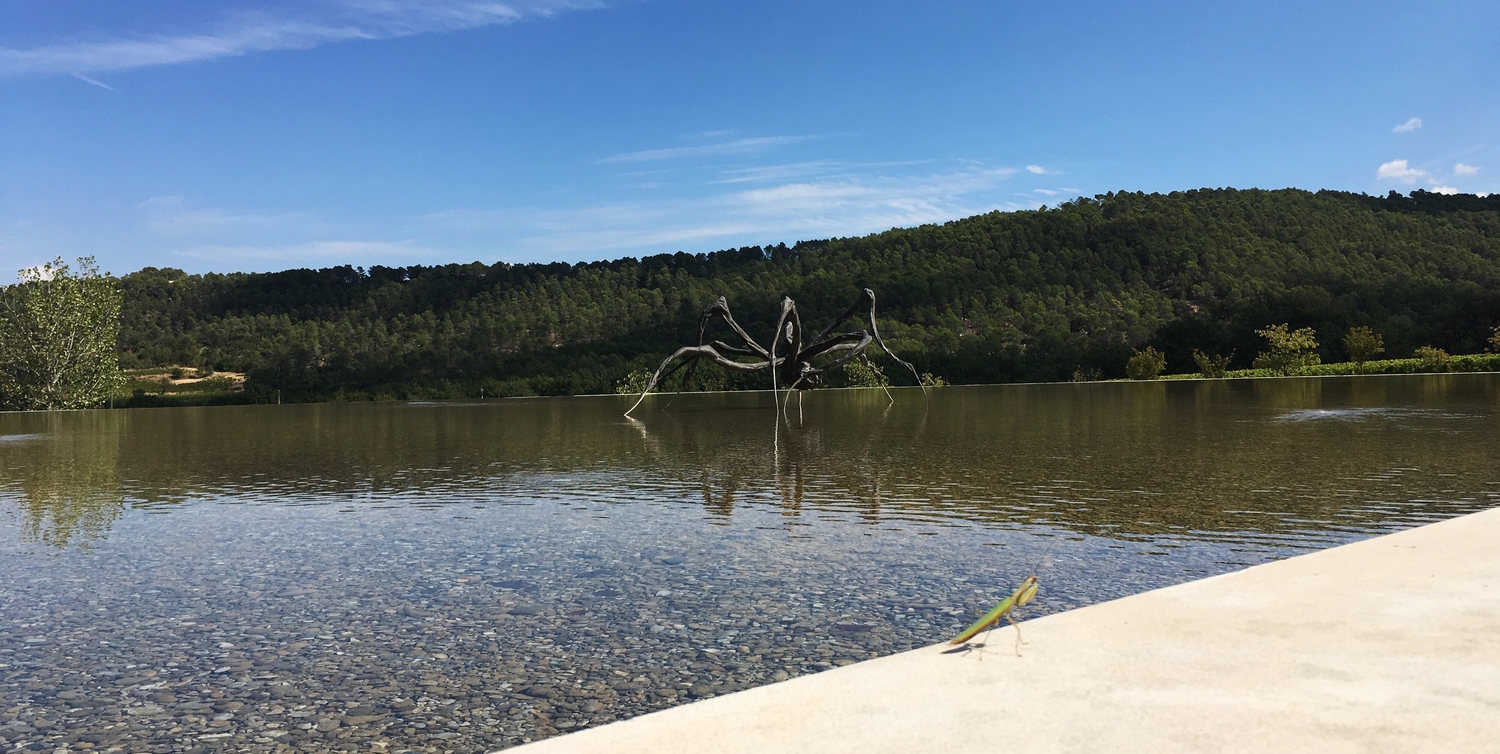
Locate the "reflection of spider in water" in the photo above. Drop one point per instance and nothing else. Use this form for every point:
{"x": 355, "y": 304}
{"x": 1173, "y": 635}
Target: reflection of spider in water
{"x": 801, "y": 367}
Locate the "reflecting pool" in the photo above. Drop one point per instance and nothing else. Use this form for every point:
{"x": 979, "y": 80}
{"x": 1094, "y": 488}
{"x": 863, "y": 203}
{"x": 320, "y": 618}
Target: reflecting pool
{"x": 467, "y": 576}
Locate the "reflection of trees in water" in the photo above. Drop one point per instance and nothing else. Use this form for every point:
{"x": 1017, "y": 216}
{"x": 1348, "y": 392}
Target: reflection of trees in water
{"x": 1288, "y": 394}
{"x": 848, "y": 458}
{"x": 65, "y": 477}
{"x": 1122, "y": 460}
{"x": 1126, "y": 461}
{"x": 741, "y": 450}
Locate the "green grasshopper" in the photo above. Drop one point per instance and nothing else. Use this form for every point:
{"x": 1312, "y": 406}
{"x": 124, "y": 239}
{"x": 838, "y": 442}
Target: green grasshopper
{"x": 1022, "y": 595}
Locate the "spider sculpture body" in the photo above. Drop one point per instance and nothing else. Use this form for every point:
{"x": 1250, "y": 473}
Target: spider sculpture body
{"x": 792, "y": 364}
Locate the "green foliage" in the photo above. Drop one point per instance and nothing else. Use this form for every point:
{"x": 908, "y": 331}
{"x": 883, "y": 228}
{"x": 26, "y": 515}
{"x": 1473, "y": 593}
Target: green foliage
{"x": 1212, "y": 367}
{"x": 1145, "y": 364}
{"x": 634, "y": 383}
{"x": 1289, "y": 350}
{"x": 1086, "y": 374}
{"x": 58, "y": 331}
{"x": 931, "y": 380}
{"x": 1005, "y": 296}
{"x": 1494, "y": 340}
{"x": 1361, "y": 343}
{"x": 1479, "y": 362}
{"x": 1433, "y": 359}
{"x": 863, "y": 373}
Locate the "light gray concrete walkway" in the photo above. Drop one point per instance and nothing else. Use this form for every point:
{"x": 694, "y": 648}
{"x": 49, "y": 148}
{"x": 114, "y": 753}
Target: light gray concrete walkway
{"x": 1391, "y": 644}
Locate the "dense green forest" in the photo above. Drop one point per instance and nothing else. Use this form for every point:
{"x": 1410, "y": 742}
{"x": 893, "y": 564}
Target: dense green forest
{"x": 1005, "y": 296}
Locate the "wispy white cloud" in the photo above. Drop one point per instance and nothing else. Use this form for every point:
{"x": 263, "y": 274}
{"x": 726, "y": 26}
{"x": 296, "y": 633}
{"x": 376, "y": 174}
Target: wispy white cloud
{"x": 1438, "y": 188}
{"x": 315, "y": 252}
{"x": 840, "y": 206}
{"x": 1036, "y": 170}
{"x": 125, "y": 54}
{"x": 588, "y": 242}
{"x": 878, "y": 200}
{"x": 316, "y": 24}
{"x": 738, "y": 146}
{"x": 783, "y": 172}
{"x": 1046, "y": 192}
{"x": 95, "y": 82}
{"x": 1410, "y": 125}
{"x": 1462, "y": 169}
{"x": 820, "y": 169}
{"x": 174, "y": 215}
{"x": 1399, "y": 170}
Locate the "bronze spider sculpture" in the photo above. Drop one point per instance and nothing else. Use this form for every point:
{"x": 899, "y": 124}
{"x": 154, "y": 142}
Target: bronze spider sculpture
{"x": 800, "y": 368}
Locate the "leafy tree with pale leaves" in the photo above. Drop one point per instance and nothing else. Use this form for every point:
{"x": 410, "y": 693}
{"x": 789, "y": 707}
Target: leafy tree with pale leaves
{"x": 634, "y": 383}
{"x": 1289, "y": 351}
{"x": 58, "y": 332}
{"x": 1361, "y": 343}
{"x": 864, "y": 373}
{"x": 1211, "y": 367}
{"x": 1433, "y": 359}
{"x": 1146, "y": 364}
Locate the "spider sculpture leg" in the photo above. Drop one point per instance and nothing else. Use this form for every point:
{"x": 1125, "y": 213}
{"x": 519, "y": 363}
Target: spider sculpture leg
{"x": 718, "y": 352}
{"x": 866, "y": 305}
{"x": 803, "y": 375}
{"x": 788, "y": 328}
{"x": 848, "y": 346}
{"x": 687, "y": 356}
{"x": 866, "y": 361}
{"x": 720, "y": 310}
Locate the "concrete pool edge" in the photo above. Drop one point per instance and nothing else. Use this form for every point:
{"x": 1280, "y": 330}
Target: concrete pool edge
{"x": 1384, "y": 644}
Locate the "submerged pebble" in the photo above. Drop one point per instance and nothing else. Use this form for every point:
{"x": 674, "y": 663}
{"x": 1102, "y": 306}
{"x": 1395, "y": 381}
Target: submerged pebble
{"x": 212, "y": 630}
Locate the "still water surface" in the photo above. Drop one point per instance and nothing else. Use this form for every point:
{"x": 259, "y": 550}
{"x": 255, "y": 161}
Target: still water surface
{"x": 466, "y": 576}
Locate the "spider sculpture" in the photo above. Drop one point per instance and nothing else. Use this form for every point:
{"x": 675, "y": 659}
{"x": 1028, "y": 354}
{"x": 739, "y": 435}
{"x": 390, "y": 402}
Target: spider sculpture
{"x": 790, "y": 362}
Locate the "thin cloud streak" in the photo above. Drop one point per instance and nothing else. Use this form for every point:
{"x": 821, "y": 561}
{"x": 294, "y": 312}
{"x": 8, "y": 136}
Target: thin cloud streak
{"x": 122, "y": 55}
{"x": 787, "y": 171}
{"x": 810, "y": 168}
{"x": 738, "y": 146}
{"x": 630, "y": 238}
{"x": 95, "y": 82}
{"x": 171, "y": 215}
{"x": 251, "y": 33}
{"x": 315, "y": 252}
{"x": 807, "y": 209}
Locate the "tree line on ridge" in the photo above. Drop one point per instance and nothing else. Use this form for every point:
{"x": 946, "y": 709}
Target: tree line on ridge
{"x": 1005, "y": 296}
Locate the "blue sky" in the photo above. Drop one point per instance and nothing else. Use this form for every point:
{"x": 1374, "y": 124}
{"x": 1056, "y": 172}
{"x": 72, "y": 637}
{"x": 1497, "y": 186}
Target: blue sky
{"x": 260, "y": 136}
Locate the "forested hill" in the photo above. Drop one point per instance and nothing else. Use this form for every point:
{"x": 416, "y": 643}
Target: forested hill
{"x": 999, "y": 297}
